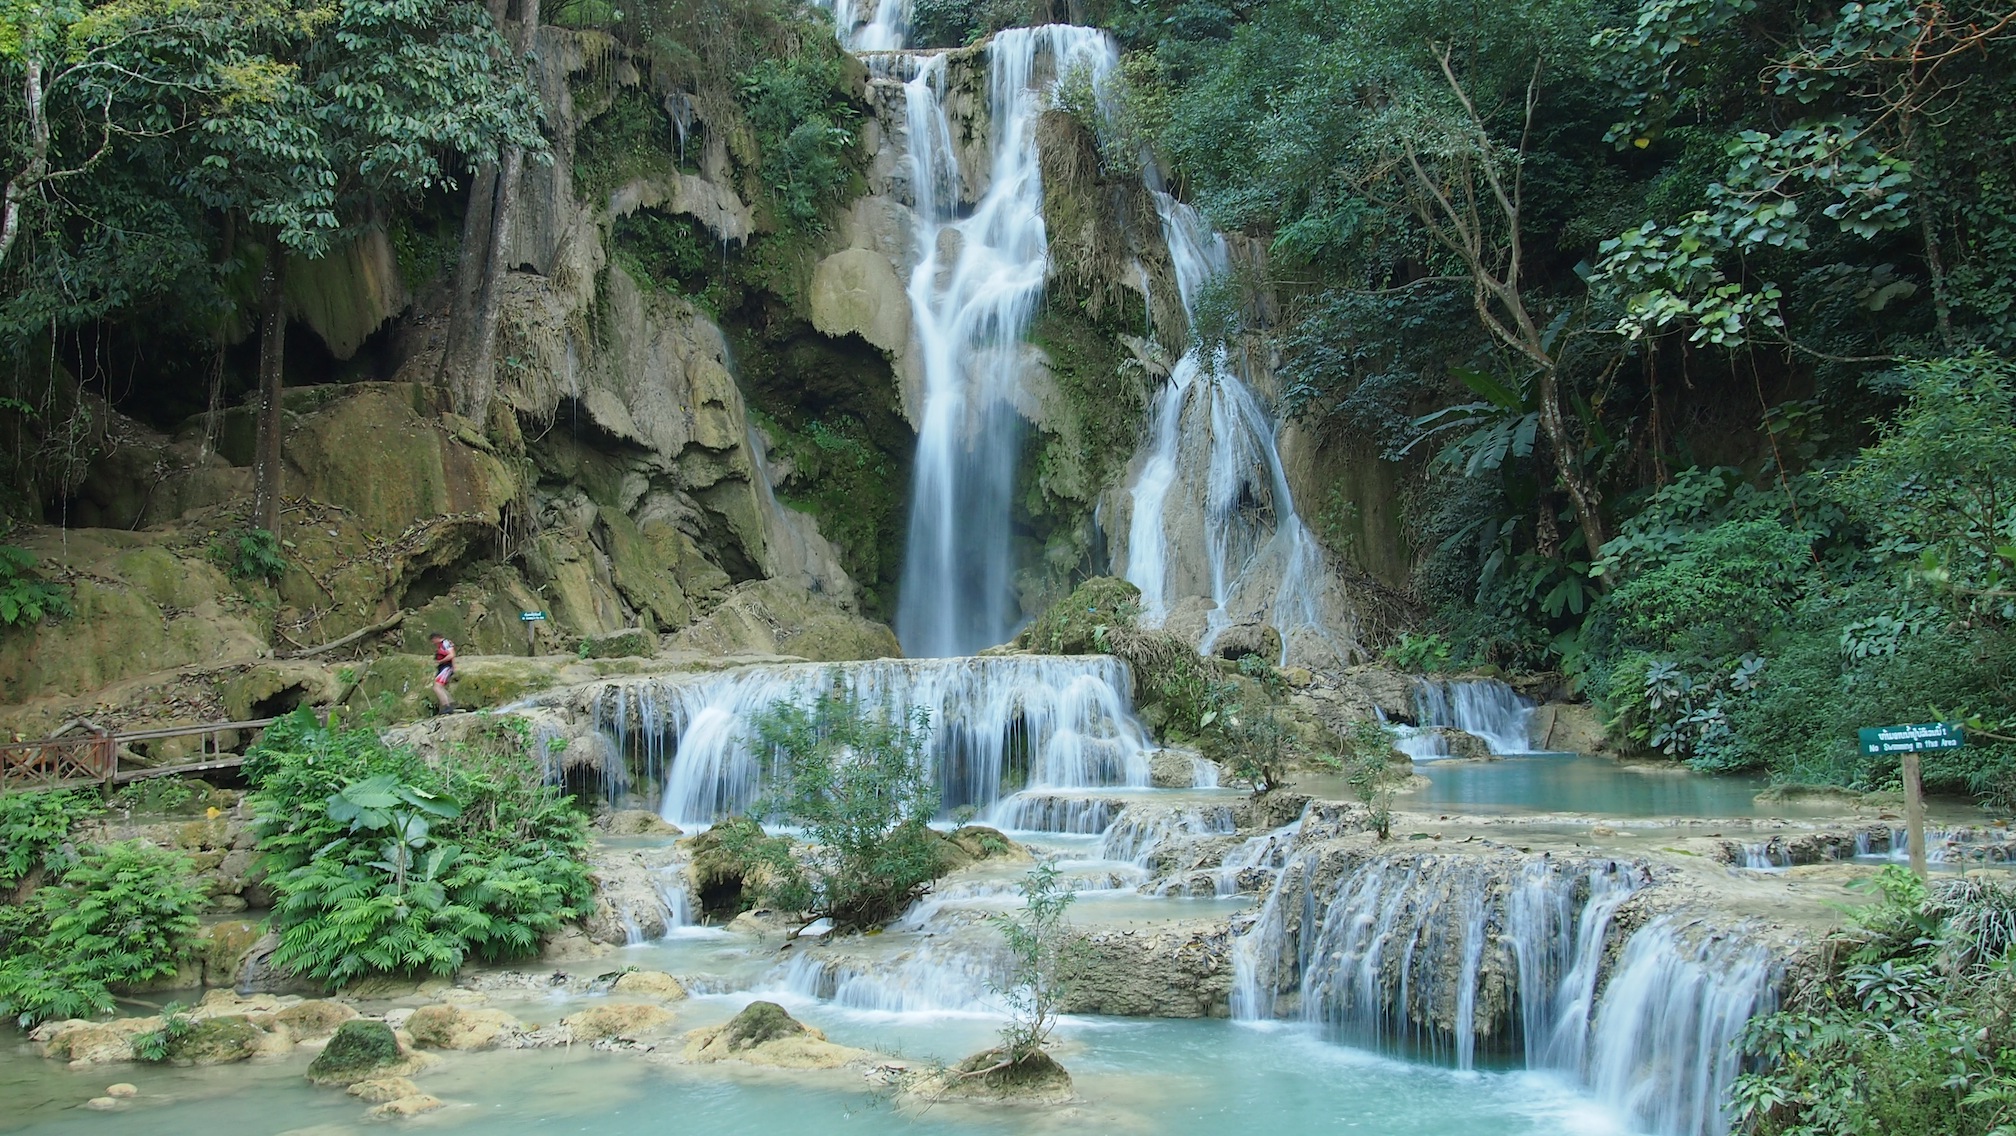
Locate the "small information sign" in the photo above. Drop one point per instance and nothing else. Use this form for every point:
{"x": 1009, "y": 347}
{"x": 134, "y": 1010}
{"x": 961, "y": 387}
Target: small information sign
{"x": 1879, "y": 740}
{"x": 535, "y": 616}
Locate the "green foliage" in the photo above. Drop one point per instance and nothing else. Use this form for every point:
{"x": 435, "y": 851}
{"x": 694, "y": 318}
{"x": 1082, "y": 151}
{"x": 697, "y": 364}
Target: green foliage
{"x": 1422, "y": 653}
{"x": 858, "y": 782}
{"x": 158, "y": 796}
{"x": 806, "y": 127}
{"x": 35, "y": 834}
{"x": 1907, "y": 1028}
{"x": 384, "y": 864}
{"x": 1368, "y": 769}
{"x": 122, "y": 914}
{"x": 154, "y": 1045}
{"x": 1044, "y": 956}
{"x": 630, "y": 139}
{"x": 24, "y": 598}
{"x": 1083, "y": 622}
{"x": 250, "y": 554}
{"x": 1257, "y": 749}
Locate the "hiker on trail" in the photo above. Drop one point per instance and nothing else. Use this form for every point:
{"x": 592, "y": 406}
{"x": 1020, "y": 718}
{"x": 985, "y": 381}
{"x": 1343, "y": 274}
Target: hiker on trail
{"x": 444, "y": 670}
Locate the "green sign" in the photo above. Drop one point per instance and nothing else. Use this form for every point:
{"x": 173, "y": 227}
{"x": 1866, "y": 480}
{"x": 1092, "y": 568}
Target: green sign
{"x": 1879, "y": 740}
{"x": 531, "y": 616}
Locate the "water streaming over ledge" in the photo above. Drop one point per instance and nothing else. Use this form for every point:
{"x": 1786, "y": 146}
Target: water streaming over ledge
{"x": 1035, "y": 723}
{"x": 1433, "y": 954}
{"x": 1484, "y": 708}
{"x": 973, "y": 293}
{"x": 1210, "y": 472}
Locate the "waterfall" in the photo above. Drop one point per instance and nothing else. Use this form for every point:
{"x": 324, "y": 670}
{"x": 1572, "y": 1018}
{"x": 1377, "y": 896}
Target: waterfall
{"x": 1036, "y": 722}
{"x": 1141, "y": 834}
{"x": 972, "y": 293}
{"x": 937, "y": 976}
{"x": 1486, "y": 708}
{"x": 1436, "y": 952}
{"x": 869, "y": 25}
{"x": 1260, "y": 564}
{"x": 1664, "y": 1048}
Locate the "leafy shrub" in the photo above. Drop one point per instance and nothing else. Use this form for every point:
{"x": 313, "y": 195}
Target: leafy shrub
{"x": 35, "y": 834}
{"x": 123, "y": 914}
{"x": 1045, "y": 956}
{"x": 1425, "y": 653}
{"x": 250, "y": 554}
{"x": 1906, "y": 1028}
{"x": 156, "y": 1044}
{"x": 383, "y": 864}
{"x": 858, "y": 781}
{"x": 805, "y": 129}
{"x": 26, "y": 599}
{"x": 1368, "y": 769}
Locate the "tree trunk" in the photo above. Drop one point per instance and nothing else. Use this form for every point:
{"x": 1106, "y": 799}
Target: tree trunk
{"x": 37, "y": 168}
{"x": 1584, "y": 497}
{"x": 468, "y": 365}
{"x": 272, "y": 355}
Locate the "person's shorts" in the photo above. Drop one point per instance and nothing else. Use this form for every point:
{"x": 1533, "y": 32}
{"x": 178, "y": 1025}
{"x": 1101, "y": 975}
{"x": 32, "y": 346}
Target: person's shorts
{"x": 442, "y": 675}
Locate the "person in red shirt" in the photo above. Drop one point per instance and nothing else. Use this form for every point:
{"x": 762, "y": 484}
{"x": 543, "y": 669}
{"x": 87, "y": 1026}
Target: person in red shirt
{"x": 444, "y": 670}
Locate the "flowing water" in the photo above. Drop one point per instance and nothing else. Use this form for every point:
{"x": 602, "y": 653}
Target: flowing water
{"x": 1210, "y": 475}
{"x": 973, "y": 292}
{"x": 1045, "y": 723}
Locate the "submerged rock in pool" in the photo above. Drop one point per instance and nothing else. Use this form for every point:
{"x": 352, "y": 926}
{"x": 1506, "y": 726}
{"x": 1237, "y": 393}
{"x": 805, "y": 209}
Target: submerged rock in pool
{"x": 764, "y": 1034}
{"x": 623, "y": 1020}
{"x": 379, "y": 1090}
{"x": 456, "y": 1027}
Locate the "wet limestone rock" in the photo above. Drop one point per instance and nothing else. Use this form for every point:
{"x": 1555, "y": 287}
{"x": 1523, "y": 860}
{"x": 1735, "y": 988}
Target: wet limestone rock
{"x": 84, "y": 1043}
{"x": 404, "y": 1107}
{"x": 764, "y": 1034}
{"x": 638, "y": 822}
{"x": 626, "y": 1020}
{"x": 122, "y": 1089}
{"x": 989, "y": 1076}
{"x": 1172, "y": 769}
{"x": 223, "y": 946}
{"x": 314, "y": 1019}
{"x": 772, "y": 617}
{"x": 972, "y": 843}
{"x": 458, "y": 1027}
{"x": 360, "y": 1050}
{"x": 379, "y": 1090}
{"x": 1462, "y": 746}
{"x": 1174, "y": 973}
{"x": 218, "y": 1041}
{"x": 649, "y": 984}
{"x": 855, "y": 291}
{"x": 1568, "y": 727}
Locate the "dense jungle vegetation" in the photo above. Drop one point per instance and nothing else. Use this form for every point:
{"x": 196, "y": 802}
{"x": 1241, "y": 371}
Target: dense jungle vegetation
{"x": 1693, "y": 316}
{"x": 1690, "y": 319}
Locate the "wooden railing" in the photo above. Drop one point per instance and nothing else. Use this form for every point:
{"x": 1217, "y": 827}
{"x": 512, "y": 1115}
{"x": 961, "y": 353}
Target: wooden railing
{"x": 92, "y": 756}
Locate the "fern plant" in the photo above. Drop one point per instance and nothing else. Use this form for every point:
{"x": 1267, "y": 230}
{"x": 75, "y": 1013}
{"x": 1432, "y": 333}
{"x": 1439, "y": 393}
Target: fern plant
{"x": 383, "y": 864}
{"x": 24, "y": 598}
{"x": 35, "y": 833}
{"x": 123, "y": 914}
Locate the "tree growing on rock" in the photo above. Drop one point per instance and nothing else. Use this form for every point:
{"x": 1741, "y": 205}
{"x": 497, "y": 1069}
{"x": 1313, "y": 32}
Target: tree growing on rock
{"x": 857, "y": 780}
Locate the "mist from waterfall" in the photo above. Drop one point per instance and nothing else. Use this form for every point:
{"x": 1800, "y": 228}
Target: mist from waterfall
{"x": 1261, "y": 564}
{"x": 973, "y": 293}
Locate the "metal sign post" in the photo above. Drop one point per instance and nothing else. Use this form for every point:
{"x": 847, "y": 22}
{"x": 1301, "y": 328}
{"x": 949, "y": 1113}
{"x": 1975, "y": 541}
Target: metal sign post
{"x": 1908, "y": 742}
{"x": 532, "y": 620}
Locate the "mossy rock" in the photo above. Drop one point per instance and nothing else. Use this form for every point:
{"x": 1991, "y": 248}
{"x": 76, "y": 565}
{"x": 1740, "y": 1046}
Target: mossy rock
{"x": 216, "y": 1041}
{"x": 623, "y": 643}
{"x": 222, "y": 947}
{"x": 760, "y": 1022}
{"x": 358, "y": 1051}
{"x": 1070, "y": 626}
{"x": 1033, "y": 1078}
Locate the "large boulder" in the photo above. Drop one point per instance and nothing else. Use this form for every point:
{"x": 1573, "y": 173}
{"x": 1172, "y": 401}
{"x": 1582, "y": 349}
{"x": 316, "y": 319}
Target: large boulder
{"x": 855, "y": 291}
{"x": 626, "y": 1020}
{"x": 360, "y": 1050}
{"x": 458, "y": 1027}
{"x": 772, "y": 617}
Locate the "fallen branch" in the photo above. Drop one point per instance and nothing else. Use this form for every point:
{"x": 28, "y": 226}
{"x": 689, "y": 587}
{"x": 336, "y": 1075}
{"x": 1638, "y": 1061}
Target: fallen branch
{"x": 396, "y": 619}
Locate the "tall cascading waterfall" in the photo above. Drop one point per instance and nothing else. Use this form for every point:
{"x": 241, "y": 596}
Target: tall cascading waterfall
{"x": 869, "y": 25}
{"x": 1036, "y": 723}
{"x": 973, "y": 293}
{"x": 1211, "y": 474}
{"x": 1433, "y": 953}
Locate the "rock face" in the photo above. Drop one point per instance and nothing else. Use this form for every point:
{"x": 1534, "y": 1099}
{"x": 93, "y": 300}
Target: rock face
{"x": 1179, "y": 973}
{"x": 770, "y": 617}
{"x": 628, "y": 1020}
{"x": 764, "y": 1034}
